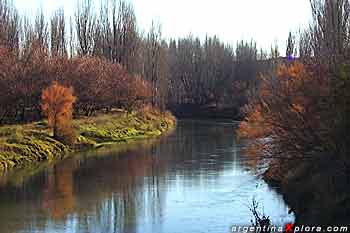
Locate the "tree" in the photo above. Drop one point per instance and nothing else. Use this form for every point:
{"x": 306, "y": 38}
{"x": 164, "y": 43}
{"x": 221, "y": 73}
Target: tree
{"x": 155, "y": 66}
{"x": 274, "y": 54}
{"x": 137, "y": 92}
{"x": 57, "y": 104}
{"x": 9, "y": 26}
{"x": 290, "y": 45}
{"x": 246, "y": 69}
{"x": 330, "y": 30}
{"x": 58, "y": 34}
{"x": 85, "y": 20}
{"x": 8, "y": 83}
{"x": 41, "y": 30}
{"x": 287, "y": 120}
{"x": 124, "y": 35}
{"x": 305, "y": 46}
{"x": 200, "y": 73}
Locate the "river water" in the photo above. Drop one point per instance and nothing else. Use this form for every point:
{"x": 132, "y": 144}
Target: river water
{"x": 193, "y": 180}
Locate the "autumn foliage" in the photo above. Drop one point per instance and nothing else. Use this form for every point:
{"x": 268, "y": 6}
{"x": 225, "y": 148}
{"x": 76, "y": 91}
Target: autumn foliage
{"x": 288, "y": 118}
{"x": 99, "y": 85}
{"x": 137, "y": 93}
{"x": 57, "y": 104}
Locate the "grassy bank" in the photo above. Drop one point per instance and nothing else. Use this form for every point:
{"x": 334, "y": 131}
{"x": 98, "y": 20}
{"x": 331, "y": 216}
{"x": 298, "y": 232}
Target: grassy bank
{"x": 21, "y": 145}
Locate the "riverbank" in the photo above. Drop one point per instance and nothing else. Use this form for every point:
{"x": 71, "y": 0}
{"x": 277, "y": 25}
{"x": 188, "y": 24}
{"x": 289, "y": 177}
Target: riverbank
{"x": 315, "y": 190}
{"x": 22, "y": 145}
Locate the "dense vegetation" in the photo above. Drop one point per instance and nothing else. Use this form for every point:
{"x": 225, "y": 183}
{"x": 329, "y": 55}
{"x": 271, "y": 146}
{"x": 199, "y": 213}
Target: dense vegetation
{"x": 49, "y": 69}
{"x": 110, "y": 63}
{"x": 303, "y": 108}
{"x": 98, "y": 84}
{"x": 300, "y": 119}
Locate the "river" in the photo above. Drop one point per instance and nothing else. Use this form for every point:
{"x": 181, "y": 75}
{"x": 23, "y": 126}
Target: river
{"x": 194, "y": 180}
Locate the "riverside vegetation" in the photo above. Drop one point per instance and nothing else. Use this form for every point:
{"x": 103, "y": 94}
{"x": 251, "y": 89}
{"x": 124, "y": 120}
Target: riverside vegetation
{"x": 299, "y": 120}
{"x": 22, "y": 145}
{"x": 38, "y": 81}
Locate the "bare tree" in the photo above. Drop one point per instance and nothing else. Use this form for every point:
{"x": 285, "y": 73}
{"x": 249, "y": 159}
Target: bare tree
{"x": 27, "y": 36}
{"x": 290, "y": 45}
{"x": 330, "y": 29}
{"x": 200, "y": 72}
{"x": 58, "y": 34}
{"x": 125, "y": 36}
{"x": 72, "y": 44}
{"x": 103, "y": 35}
{"x": 246, "y": 69}
{"x": 85, "y": 20}
{"x": 41, "y": 30}
{"x": 155, "y": 65}
{"x": 305, "y": 46}
{"x": 9, "y": 26}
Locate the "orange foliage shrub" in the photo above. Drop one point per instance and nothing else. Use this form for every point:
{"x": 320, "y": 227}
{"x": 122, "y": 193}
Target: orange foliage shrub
{"x": 254, "y": 125}
{"x": 57, "y": 104}
{"x": 286, "y": 118}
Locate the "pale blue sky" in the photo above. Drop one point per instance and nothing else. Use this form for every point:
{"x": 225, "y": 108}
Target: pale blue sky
{"x": 266, "y": 21}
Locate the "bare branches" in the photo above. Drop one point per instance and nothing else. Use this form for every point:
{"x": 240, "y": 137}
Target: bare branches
{"x": 330, "y": 28}
{"x": 290, "y": 45}
{"x": 58, "y": 34}
{"x": 9, "y": 26}
{"x": 41, "y": 30}
{"x": 124, "y": 35}
{"x": 305, "y": 45}
{"x": 202, "y": 72}
{"x": 260, "y": 220}
{"x": 85, "y": 20}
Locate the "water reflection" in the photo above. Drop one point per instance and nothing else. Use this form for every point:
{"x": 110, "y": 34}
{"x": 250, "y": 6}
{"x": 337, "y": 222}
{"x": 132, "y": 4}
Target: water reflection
{"x": 194, "y": 180}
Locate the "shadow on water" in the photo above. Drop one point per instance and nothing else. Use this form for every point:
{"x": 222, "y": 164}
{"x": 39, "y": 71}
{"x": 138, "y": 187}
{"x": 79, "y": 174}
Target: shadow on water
{"x": 194, "y": 180}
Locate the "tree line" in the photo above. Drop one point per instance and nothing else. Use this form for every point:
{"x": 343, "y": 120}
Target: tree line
{"x": 110, "y": 63}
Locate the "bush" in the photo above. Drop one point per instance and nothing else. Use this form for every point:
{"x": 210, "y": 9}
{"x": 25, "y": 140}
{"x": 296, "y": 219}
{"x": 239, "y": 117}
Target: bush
{"x": 57, "y": 104}
{"x": 289, "y": 118}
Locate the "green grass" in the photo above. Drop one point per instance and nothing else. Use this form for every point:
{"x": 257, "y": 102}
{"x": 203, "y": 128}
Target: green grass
{"x": 22, "y": 145}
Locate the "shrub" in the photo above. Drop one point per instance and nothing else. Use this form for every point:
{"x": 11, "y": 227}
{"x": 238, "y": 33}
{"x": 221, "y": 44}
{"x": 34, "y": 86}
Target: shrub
{"x": 288, "y": 119}
{"x": 57, "y": 104}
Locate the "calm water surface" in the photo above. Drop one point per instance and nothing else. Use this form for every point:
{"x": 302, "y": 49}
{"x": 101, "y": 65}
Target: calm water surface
{"x": 194, "y": 180}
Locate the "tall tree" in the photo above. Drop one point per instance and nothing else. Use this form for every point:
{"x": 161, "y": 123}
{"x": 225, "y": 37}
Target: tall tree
{"x": 290, "y": 50}
{"x": 85, "y": 23}
{"x": 58, "y": 34}
{"x": 124, "y": 33}
{"x": 155, "y": 65}
{"x": 9, "y": 26}
{"x": 41, "y": 30}
{"x": 330, "y": 29}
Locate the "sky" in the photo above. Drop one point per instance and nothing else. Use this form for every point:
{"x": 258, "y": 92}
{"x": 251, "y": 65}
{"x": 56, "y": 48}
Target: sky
{"x": 267, "y": 21}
